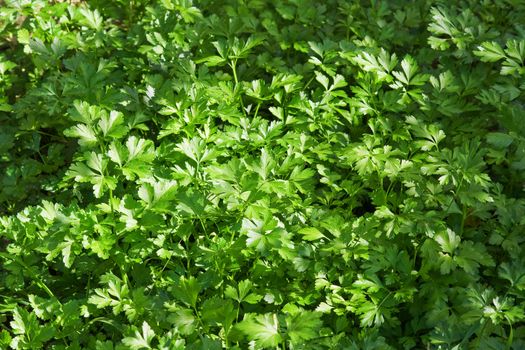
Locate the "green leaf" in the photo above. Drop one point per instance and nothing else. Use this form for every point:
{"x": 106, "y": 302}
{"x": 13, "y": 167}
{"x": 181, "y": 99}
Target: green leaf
{"x": 212, "y": 61}
{"x": 370, "y": 314}
{"x": 323, "y": 79}
{"x": 140, "y": 340}
{"x": 409, "y": 74}
{"x": 311, "y": 233}
{"x": 441, "y": 23}
{"x": 263, "y": 329}
{"x": 516, "y": 50}
{"x": 106, "y": 345}
{"x": 192, "y": 203}
{"x": 157, "y": 193}
{"x": 242, "y": 293}
{"x": 263, "y": 235}
{"x": 217, "y": 311}
{"x": 65, "y": 247}
{"x": 23, "y": 322}
{"x": 195, "y": 149}
{"x": 111, "y": 125}
{"x": 30, "y": 333}
{"x": 117, "y": 153}
{"x": 85, "y": 134}
{"x": 303, "y": 326}
{"x": 472, "y": 255}
{"x": 381, "y": 65}
{"x": 490, "y": 52}
{"x": 92, "y": 18}
{"x": 5, "y": 66}
{"x": 184, "y": 320}
{"x": 499, "y": 139}
{"x": 448, "y": 241}
{"x": 187, "y": 290}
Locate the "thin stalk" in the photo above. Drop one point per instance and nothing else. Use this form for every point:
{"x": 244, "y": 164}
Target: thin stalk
{"x": 233, "y": 66}
{"x": 257, "y": 110}
{"x": 480, "y": 334}
{"x": 130, "y": 13}
{"x": 511, "y": 335}
{"x": 36, "y": 278}
{"x": 463, "y": 218}
{"x": 384, "y": 299}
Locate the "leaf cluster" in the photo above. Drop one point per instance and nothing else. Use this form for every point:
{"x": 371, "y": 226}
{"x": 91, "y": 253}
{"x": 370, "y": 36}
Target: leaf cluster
{"x": 262, "y": 174}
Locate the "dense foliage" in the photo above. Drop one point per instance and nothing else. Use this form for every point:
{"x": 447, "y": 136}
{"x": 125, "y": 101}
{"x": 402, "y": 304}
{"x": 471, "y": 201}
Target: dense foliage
{"x": 252, "y": 174}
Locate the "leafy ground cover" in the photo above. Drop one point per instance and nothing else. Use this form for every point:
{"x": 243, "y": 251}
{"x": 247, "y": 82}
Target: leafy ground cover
{"x": 253, "y": 174}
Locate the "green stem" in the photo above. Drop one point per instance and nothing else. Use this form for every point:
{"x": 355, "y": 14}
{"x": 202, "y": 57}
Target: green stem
{"x": 463, "y": 218}
{"x": 203, "y": 227}
{"x": 384, "y": 299}
{"x": 107, "y": 321}
{"x": 414, "y": 258}
{"x": 233, "y": 66}
{"x": 111, "y": 201}
{"x": 36, "y": 278}
{"x": 257, "y": 110}
{"x": 390, "y": 185}
{"x": 511, "y": 335}
{"x": 480, "y": 334}
{"x": 455, "y": 193}
{"x": 130, "y": 13}
{"x": 309, "y": 82}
